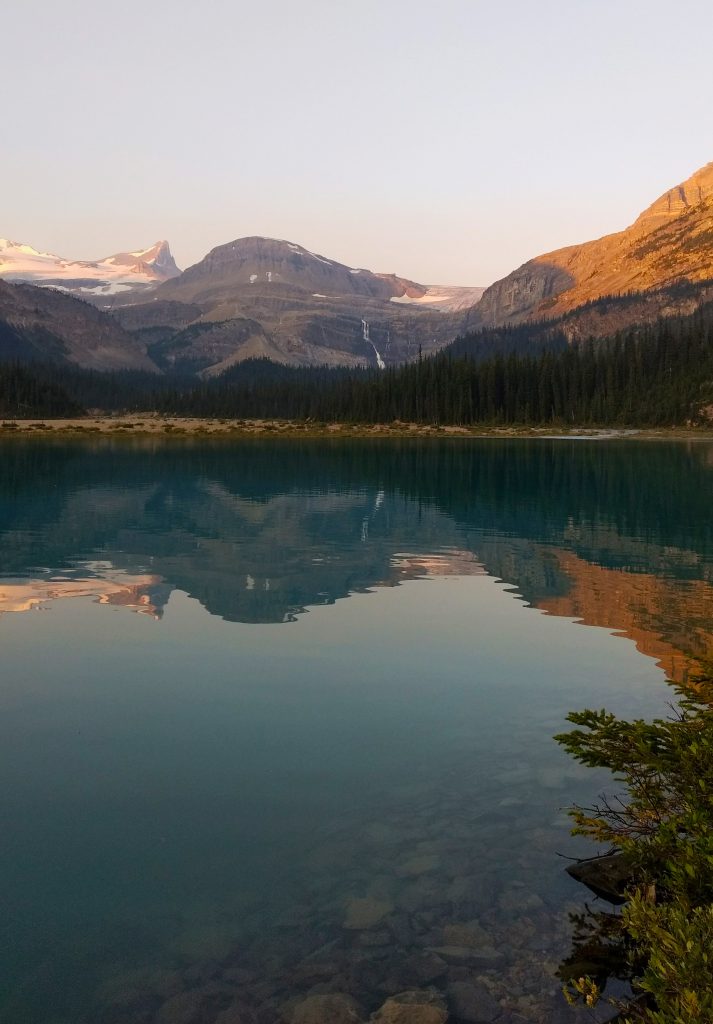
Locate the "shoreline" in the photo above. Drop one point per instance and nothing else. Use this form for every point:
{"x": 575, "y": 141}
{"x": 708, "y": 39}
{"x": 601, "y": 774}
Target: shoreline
{"x": 153, "y": 425}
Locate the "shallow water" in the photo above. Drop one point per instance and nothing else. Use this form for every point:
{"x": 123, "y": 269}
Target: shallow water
{"x": 278, "y": 715}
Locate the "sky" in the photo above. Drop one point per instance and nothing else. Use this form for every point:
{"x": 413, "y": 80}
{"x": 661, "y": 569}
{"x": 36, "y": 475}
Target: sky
{"x": 447, "y": 142}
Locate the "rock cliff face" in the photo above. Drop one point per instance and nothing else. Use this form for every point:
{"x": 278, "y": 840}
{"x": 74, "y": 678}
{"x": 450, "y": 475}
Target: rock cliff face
{"x": 677, "y": 201}
{"x": 525, "y": 290}
{"x": 670, "y": 242}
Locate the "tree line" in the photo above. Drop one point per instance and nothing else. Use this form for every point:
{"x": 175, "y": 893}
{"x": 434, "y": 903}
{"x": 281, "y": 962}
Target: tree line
{"x": 657, "y": 374}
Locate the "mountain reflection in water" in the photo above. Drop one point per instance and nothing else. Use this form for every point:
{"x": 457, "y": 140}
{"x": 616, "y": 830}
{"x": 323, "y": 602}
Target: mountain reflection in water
{"x": 614, "y": 534}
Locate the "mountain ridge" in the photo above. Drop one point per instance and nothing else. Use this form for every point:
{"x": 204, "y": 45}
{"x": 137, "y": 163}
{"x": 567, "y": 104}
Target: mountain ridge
{"x": 671, "y": 241}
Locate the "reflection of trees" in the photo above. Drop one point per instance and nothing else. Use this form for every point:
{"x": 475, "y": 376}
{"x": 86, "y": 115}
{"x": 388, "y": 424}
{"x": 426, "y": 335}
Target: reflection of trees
{"x": 259, "y": 529}
{"x": 600, "y": 950}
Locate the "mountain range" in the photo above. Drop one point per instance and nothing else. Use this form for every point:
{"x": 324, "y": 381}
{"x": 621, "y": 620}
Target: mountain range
{"x": 267, "y": 297}
{"x": 261, "y": 297}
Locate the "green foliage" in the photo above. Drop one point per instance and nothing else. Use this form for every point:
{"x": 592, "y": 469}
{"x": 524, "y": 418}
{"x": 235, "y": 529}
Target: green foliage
{"x": 663, "y": 824}
{"x": 675, "y": 940}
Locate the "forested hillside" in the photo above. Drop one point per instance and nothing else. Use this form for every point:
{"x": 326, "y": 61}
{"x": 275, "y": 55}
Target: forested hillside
{"x": 660, "y": 374}
{"x": 26, "y": 394}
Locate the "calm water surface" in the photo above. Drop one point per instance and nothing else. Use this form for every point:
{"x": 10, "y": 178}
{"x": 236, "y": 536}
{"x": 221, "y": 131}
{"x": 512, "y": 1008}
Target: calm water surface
{"x": 278, "y": 715}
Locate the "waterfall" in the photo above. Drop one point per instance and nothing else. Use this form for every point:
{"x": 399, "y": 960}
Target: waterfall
{"x": 365, "y": 335}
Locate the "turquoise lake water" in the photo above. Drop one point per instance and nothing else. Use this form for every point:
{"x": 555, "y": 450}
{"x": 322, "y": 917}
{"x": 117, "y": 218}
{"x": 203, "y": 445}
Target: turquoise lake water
{"x": 277, "y": 717}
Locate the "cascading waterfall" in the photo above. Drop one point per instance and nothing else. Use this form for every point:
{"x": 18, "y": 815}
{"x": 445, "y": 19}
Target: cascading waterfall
{"x": 365, "y": 335}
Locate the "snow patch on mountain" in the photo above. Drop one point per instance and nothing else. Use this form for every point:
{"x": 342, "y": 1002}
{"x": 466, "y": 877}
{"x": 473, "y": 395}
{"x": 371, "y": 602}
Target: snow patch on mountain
{"x": 442, "y": 297}
{"x": 299, "y": 250}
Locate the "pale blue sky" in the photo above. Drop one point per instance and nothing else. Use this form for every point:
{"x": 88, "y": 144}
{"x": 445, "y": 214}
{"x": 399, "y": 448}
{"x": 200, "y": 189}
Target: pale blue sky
{"x": 447, "y": 141}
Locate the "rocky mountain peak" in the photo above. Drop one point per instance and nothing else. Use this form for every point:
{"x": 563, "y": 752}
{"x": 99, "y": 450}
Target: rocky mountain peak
{"x": 272, "y": 264}
{"x": 678, "y": 200}
{"x": 155, "y": 263}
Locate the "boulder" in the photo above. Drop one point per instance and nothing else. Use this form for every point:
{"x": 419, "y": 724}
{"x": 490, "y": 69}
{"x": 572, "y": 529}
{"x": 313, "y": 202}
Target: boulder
{"x": 484, "y": 957}
{"x": 236, "y": 1013}
{"x": 471, "y": 1003}
{"x": 238, "y": 975}
{"x": 330, "y": 1008}
{"x": 366, "y": 912}
{"x": 412, "y": 972}
{"x": 517, "y": 900}
{"x": 467, "y": 934}
{"x": 183, "y": 1008}
{"x": 424, "y": 967}
{"x": 419, "y": 1006}
{"x": 416, "y": 866}
{"x": 607, "y": 877}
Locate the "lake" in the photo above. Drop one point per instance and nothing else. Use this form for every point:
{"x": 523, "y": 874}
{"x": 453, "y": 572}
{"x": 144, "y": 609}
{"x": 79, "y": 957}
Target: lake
{"x": 277, "y": 716}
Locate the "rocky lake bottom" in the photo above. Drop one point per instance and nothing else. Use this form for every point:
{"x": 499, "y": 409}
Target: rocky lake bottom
{"x": 444, "y": 910}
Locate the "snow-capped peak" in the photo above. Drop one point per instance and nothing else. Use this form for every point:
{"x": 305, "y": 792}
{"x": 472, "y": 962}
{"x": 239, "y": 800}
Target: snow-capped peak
{"x": 155, "y": 262}
{"x": 121, "y": 272}
{"x": 18, "y": 248}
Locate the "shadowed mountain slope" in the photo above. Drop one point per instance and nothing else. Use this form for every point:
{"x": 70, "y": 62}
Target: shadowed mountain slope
{"x": 48, "y": 325}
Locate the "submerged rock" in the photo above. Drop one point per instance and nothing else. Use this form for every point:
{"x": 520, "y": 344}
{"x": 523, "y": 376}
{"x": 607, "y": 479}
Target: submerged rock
{"x": 331, "y": 1008}
{"x": 238, "y": 975}
{"x": 183, "y": 1008}
{"x": 484, "y": 956}
{"x": 236, "y": 1013}
{"x": 517, "y": 900}
{"x": 469, "y": 933}
{"x": 413, "y": 971}
{"x": 472, "y": 1003}
{"x": 378, "y": 937}
{"x": 416, "y": 866}
{"x": 424, "y": 967}
{"x": 366, "y": 912}
{"x": 132, "y": 990}
{"x": 420, "y": 1006}
{"x": 402, "y": 929}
